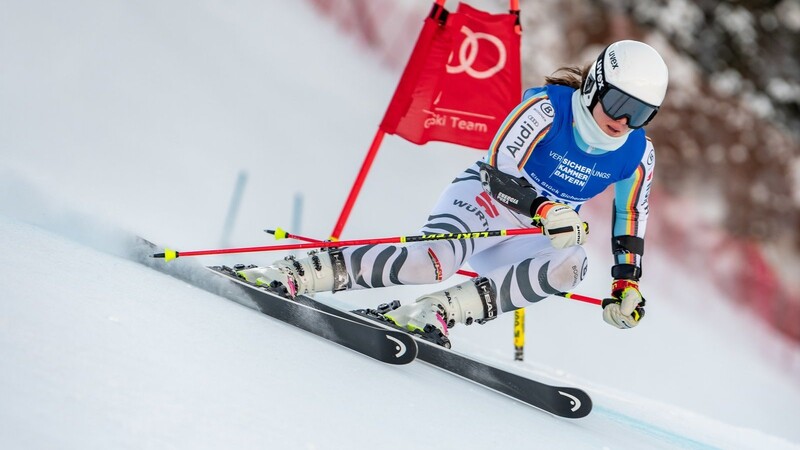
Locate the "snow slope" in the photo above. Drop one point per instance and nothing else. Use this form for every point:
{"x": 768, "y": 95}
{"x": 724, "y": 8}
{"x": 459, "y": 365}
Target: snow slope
{"x": 120, "y": 118}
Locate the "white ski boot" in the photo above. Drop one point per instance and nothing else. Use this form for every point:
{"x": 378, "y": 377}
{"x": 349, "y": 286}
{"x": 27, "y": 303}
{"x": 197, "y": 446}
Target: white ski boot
{"x": 318, "y": 272}
{"x": 468, "y": 302}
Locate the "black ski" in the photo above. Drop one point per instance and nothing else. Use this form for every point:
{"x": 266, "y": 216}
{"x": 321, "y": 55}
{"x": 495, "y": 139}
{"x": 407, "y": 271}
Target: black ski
{"x": 389, "y": 346}
{"x": 562, "y": 401}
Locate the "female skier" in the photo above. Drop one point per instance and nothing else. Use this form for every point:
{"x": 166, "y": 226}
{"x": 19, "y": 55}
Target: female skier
{"x": 564, "y": 144}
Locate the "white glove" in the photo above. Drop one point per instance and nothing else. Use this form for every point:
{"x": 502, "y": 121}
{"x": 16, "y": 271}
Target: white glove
{"x": 625, "y": 308}
{"x": 561, "y": 224}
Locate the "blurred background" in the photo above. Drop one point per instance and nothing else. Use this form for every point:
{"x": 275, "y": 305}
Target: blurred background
{"x": 727, "y": 186}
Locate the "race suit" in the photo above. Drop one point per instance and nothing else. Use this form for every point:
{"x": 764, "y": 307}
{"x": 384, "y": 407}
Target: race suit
{"x": 537, "y": 141}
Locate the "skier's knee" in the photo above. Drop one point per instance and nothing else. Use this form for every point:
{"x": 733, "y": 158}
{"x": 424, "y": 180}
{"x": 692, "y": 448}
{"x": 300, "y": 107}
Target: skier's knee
{"x": 564, "y": 274}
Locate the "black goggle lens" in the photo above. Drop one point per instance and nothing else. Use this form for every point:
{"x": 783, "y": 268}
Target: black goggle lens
{"x": 618, "y": 104}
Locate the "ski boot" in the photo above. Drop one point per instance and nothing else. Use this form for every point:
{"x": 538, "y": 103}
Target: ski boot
{"x": 290, "y": 277}
{"x": 432, "y": 315}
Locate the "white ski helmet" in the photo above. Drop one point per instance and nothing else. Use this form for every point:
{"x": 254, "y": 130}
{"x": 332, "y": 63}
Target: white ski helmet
{"x": 629, "y": 80}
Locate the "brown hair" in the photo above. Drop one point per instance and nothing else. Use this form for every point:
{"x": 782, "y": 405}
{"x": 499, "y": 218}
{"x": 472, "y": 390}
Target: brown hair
{"x": 571, "y": 76}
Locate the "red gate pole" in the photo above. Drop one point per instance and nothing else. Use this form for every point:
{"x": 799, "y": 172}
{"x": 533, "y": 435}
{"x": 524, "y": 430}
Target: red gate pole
{"x": 354, "y": 191}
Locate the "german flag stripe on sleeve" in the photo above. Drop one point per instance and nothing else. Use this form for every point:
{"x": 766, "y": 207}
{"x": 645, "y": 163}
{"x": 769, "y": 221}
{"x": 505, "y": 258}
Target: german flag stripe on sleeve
{"x": 535, "y": 141}
{"x": 633, "y": 201}
{"x": 511, "y": 120}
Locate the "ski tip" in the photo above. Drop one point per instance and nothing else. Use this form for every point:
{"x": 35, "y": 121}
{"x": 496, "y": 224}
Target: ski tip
{"x": 578, "y": 405}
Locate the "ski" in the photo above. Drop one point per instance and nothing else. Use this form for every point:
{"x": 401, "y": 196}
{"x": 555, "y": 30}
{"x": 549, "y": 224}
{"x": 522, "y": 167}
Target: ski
{"x": 389, "y": 346}
{"x": 561, "y": 401}
{"x": 386, "y": 345}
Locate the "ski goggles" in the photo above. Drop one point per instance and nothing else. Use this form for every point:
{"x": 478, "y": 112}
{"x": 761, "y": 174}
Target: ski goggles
{"x": 617, "y": 104}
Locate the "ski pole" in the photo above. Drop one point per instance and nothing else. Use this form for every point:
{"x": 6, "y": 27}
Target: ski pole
{"x": 170, "y": 254}
{"x": 280, "y": 233}
{"x": 569, "y": 295}
{"x": 580, "y": 298}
